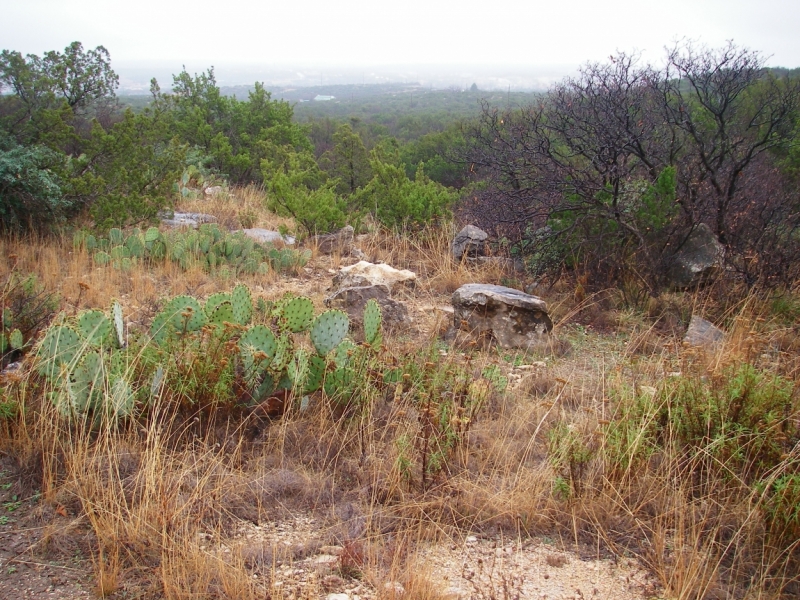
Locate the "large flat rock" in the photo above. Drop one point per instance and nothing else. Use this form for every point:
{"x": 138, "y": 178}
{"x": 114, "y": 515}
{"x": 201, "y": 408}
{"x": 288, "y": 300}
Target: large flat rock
{"x": 511, "y": 317}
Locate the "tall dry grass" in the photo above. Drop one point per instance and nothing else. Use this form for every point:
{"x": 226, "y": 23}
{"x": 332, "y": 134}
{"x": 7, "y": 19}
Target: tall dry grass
{"x": 156, "y": 503}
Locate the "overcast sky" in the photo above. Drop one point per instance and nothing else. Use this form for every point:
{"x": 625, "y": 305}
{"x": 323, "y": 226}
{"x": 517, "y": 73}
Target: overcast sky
{"x": 375, "y": 32}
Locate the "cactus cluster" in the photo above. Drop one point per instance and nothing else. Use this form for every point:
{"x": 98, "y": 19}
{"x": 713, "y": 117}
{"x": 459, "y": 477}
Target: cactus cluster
{"x": 83, "y": 359}
{"x": 208, "y": 247}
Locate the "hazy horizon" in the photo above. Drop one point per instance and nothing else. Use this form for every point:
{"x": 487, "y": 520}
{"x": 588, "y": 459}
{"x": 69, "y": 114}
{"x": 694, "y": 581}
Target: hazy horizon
{"x": 521, "y": 45}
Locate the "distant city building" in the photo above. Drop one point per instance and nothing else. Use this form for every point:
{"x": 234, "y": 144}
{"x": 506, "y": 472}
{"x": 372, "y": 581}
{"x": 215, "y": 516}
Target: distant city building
{"x": 319, "y": 98}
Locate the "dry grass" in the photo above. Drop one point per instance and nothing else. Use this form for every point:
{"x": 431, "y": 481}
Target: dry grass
{"x": 158, "y": 513}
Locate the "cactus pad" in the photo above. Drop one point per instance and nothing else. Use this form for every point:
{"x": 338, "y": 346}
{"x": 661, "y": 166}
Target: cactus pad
{"x": 343, "y": 351}
{"x": 372, "y": 322}
{"x": 121, "y": 399}
{"x": 86, "y": 383}
{"x": 151, "y": 236}
{"x": 242, "y": 304}
{"x": 297, "y": 314}
{"x": 15, "y": 339}
{"x": 316, "y": 373}
{"x": 119, "y": 325}
{"x": 214, "y": 300}
{"x": 59, "y": 348}
{"x": 101, "y": 258}
{"x": 181, "y": 314}
{"x": 115, "y": 236}
{"x": 94, "y": 326}
{"x": 339, "y": 382}
{"x": 328, "y": 330}
{"x": 222, "y": 314}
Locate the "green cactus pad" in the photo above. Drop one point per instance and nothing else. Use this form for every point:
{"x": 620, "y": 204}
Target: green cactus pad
{"x": 115, "y": 236}
{"x": 181, "y": 314}
{"x": 90, "y": 242}
{"x": 316, "y": 373}
{"x": 372, "y": 322}
{"x": 339, "y": 381}
{"x": 242, "y": 303}
{"x": 328, "y": 330}
{"x": 297, "y": 314}
{"x": 284, "y": 350}
{"x": 101, "y": 258}
{"x": 120, "y": 401}
{"x": 59, "y": 348}
{"x": 223, "y": 313}
{"x": 257, "y": 338}
{"x": 214, "y": 300}
{"x": 151, "y": 236}
{"x": 343, "y": 352}
{"x": 15, "y": 339}
{"x": 135, "y": 246}
{"x": 297, "y": 369}
{"x": 86, "y": 383}
{"x": 117, "y": 322}
{"x": 95, "y": 327}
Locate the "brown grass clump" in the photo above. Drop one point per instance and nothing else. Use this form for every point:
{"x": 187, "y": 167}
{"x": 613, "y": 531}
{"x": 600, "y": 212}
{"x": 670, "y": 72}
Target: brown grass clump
{"x": 580, "y": 445}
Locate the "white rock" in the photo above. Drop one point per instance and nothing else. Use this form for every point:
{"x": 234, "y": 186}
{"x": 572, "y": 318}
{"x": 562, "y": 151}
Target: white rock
{"x": 365, "y": 273}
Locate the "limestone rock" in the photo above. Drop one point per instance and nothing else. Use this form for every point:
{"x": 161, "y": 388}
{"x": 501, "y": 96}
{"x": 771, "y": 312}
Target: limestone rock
{"x": 341, "y": 241}
{"x": 470, "y": 241}
{"x": 697, "y": 260}
{"x": 365, "y": 273}
{"x": 702, "y": 333}
{"x": 514, "y": 319}
{"x": 192, "y": 220}
{"x": 266, "y": 236}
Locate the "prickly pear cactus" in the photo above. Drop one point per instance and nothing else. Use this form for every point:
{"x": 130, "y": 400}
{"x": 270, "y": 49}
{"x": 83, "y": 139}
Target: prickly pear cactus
{"x": 222, "y": 313}
{"x": 95, "y": 327}
{"x": 60, "y": 346}
{"x": 297, "y": 369}
{"x": 372, "y": 322}
{"x": 117, "y": 322}
{"x": 102, "y": 258}
{"x": 15, "y": 340}
{"x": 135, "y": 246}
{"x": 86, "y": 383}
{"x": 242, "y": 303}
{"x": 214, "y": 300}
{"x": 343, "y": 352}
{"x": 257, "y": 347}
{"x": 316, "y": 373}
{"x": 297, "y": 314}
{"x": 119, "y": 403}
{"x": 181, "y": 314}
{"x": 339, "y": 381}
{"x": 328, "y": 330}
{"x": 115, "y": 236}
{"x": 151, "y": 236}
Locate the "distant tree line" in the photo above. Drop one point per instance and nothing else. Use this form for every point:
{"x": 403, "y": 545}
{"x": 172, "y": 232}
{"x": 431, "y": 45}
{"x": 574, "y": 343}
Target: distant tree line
{"x": 67, "y": 147}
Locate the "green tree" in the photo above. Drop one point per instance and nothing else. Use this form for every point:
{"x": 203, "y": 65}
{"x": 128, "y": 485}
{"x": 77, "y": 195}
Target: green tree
{"x": 348, "y": 160}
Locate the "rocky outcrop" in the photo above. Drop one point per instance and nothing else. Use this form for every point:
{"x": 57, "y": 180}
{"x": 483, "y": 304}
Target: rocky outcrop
{"x": 470, "y": 242}
{"x": 702, "y": 333}
{"x": 510, "y": 317}
{"x": 698, "y": 259}
{"x": 340, "y": 242}
{"x": 266, "y": 236}
{"x": 193, "y": 220}
{"x": 365, "y": 273}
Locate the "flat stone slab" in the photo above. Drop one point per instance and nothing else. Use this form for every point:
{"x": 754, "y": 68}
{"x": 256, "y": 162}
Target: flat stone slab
{"x": 470, "y": 241}
{"x": 267, "y": 236}
{"x": 193, "y": 220}
{"x": 513, "y": 318}
{"x": 702, "y": 333}
{"x": 366, "y": 273}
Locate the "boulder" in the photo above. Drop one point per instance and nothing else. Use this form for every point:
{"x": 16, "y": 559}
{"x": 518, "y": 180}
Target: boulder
{"x": 352, "y": 300}
{"x": 470, "y": 241}
{"x": 365, "y": 273}
{"x": 697, "y": 260}
{"x": 266, "y": 236}
{"x": 702, "y": 333}
{"x": 193, "y": 220}
{"x": 510, "y": 317}
{"x": 341, "y": 241}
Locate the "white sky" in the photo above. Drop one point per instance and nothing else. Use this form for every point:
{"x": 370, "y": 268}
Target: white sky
{"x": 375, "y": 32}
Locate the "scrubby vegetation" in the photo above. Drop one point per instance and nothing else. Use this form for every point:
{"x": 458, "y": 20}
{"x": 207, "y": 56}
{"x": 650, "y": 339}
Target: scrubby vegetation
{"x": 164, "y": 390}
